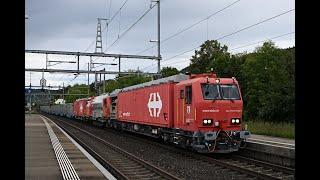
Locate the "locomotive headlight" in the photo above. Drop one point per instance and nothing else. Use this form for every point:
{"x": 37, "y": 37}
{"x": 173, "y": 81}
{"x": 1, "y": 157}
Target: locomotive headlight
{"x": 209, "y": 121}
{"x": 233, "y": 120}
{"x": 237, "y": 120}
{"x": 205, "y": 121}
{"x": 217, "y": 80}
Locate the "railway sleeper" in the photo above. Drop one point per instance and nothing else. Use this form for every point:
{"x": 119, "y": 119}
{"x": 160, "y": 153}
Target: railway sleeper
{"x": 154, "y": 177}
{"x": 243, "y": 176}
{"x": 278, "y": 174}
{"x": 258, "y": 169}
{"x": 141, "y": 172}
{"x": 127, "y": 164}
{"x": 288, "y": 177}
{"x": 146, "y": 175}
{"x": 134, "y": 167}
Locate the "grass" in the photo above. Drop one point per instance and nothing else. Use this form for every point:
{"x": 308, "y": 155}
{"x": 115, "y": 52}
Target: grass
{"x": 285, "y": 130}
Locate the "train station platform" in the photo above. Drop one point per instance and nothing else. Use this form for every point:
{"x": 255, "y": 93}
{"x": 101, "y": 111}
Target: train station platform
{"x": 275, "y": 150}
{"x": 272, "y": 141}
{"x": 50, "y": 153}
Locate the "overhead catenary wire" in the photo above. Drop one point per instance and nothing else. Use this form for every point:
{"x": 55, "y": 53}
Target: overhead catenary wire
{"x": 109, "y": 11}
{"x": 134, "y": 24}
{"x": 191, "y": 26}
{"x": 106, "y": 27}
{"x": 250, "y": 44}
{"x": 128, "y": 29}
{"x": 246, "y": 45}
{"x": 109, "y": 21}
{"x": 230, "y": 34}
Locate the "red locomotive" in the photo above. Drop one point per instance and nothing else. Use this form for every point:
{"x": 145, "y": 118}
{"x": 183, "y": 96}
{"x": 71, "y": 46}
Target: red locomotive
{"x": 200, "y": 111}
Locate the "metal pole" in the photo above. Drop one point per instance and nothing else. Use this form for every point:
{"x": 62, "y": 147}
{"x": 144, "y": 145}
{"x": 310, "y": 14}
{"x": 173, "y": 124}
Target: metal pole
{"x": 30, "y": 97}
{"x": 95, "y": 82}
{"x": 26, "y": 18}
{"x": 46, "y": 61}
{"x": 100, "y": 84}
{"x": 119, "y": 67}
{"x": 78, "y": 62}
{"x": 63, "y": 90}
{"x": 104, "y": 81}
{"x": 88, "y": 79}
{"x": 50, "y": 94}
{"x": 106, "y": 35}
{"x": 159, "y": 56}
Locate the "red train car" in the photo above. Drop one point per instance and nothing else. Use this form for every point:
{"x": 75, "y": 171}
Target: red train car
{"x": 149, "y": 106}
{"x": 79, "y": 108}
{"x": 106, "y": 107}
{"x": 88, "y": 108}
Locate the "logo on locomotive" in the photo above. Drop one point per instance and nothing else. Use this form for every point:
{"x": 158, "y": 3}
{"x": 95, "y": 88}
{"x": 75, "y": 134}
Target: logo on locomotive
{"x": 154, "y": 104}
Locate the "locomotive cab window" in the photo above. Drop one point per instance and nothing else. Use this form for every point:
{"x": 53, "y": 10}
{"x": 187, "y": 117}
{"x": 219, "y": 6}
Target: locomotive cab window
{"x": 188, "y": 94}
{"x": 222, "y": 92}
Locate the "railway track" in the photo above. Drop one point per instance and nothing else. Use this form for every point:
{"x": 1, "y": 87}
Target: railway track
{"x": 122, "y": 164}
{"x": 241, "y": 167}
{"x": 247, "y": 168}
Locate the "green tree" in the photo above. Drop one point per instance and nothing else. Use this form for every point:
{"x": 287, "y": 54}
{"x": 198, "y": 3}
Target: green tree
{"x": 268, "y": 80}
{"x": 210, "y": 51}
{"x": 169, "y": 71}
{"x": 76, "y": 90}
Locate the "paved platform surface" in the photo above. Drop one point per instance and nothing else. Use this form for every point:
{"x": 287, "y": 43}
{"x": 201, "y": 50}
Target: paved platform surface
{"x": 40, "y": 154}
{"x": 272, "y": 141}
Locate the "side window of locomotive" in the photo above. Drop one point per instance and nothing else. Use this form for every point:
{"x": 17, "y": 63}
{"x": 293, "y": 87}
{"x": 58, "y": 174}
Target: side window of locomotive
{"x": 181, "y": 94}
{"x": 188, "y": 94}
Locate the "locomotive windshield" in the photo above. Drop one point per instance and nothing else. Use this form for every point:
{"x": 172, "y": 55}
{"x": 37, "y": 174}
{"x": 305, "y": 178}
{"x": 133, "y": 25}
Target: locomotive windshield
{"x": 220, "y": 91}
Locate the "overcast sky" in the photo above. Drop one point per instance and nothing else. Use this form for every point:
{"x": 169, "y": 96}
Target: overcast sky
{"x": 70, "y": 25}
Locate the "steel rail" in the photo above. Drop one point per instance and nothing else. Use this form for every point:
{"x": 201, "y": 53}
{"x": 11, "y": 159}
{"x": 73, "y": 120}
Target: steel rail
{"x": 241, "y": 167}
{"x": 130, "y": 156}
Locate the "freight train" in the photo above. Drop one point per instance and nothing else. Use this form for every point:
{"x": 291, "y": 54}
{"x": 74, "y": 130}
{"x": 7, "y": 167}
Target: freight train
{"x": 197, "y": 111}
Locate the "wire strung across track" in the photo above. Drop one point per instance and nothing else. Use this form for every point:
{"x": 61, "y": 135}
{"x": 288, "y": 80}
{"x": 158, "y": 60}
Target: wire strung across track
{"x": 188, "y": 27}
{"x": 227, "y": 35}
{"x": 246, "y": 45}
